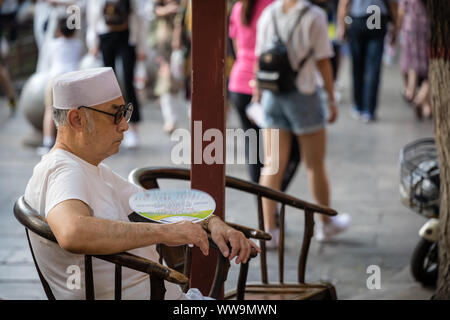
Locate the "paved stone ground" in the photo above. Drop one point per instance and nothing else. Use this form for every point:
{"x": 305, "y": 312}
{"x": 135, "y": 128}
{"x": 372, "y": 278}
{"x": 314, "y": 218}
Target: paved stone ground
{"x": 364, "y": 174}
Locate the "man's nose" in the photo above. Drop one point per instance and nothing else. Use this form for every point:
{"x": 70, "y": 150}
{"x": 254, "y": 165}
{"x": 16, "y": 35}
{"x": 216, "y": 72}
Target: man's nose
{"x": 123, "y": 125}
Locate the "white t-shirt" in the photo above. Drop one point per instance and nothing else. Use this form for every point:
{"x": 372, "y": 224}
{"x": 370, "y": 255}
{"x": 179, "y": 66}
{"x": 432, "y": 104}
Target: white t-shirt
{"x": 311, "y": 32}
{"x": 62, "y": 176}
{"x": 62, "y": 55}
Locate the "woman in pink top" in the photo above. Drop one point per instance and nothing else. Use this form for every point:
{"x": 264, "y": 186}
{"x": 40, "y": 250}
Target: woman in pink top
{"x": 242, "y": 30}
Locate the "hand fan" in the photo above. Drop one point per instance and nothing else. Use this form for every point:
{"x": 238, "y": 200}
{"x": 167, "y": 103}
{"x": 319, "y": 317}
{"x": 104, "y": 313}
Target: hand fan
{"x": 170, "y": 206}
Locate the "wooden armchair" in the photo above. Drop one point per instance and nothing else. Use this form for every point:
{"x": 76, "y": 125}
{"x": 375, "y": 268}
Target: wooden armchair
{"x": 157, "y": 272}
{"x": 148, "y": 179}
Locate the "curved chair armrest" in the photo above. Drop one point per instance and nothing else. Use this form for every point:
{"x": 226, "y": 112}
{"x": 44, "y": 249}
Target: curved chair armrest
{"x": 250, "y": 232}
{"x": 141, "y": 264}
{"x": 253, "y": 252}
{"x": 153, "y": 173}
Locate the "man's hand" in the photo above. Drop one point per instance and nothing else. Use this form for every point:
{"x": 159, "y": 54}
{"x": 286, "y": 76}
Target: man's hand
{"x": 222, "y": 234}
{"x": 186, "y": 232}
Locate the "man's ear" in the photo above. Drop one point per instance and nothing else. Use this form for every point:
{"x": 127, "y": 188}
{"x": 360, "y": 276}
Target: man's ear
{"x": 75, "y": 119}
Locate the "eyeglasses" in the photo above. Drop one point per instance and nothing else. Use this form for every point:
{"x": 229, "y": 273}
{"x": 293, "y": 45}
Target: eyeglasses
{"x": 123, "y": 111}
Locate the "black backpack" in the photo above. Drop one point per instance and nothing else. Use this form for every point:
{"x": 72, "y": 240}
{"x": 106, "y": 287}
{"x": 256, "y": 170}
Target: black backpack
{"x": 275, "y": 71}
{"x": 116, "y": 12}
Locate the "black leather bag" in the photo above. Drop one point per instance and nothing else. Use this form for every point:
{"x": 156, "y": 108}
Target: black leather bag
{"x": 275, "y": 70}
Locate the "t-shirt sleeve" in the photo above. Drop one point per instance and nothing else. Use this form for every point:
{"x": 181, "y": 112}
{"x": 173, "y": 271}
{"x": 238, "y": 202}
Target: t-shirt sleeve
{"x": 234, "y": 21}
{"x": 321, "y": 44}
{"x": 66, "y": 182}
{"x": 124, "y": 188}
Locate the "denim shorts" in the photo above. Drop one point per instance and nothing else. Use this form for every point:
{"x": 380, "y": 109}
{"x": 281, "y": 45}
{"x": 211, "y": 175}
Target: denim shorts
{"x": 294, "y": 111}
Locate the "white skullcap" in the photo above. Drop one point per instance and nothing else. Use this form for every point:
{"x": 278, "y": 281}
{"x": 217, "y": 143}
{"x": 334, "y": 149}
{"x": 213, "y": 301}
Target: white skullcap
{"x": 88, "y": 87}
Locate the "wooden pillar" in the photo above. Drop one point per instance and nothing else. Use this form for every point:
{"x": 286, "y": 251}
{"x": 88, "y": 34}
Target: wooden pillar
{"x": 208, "y": 112}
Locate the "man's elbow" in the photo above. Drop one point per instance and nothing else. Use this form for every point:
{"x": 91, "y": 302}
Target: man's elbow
{"x": 70, "y": 239}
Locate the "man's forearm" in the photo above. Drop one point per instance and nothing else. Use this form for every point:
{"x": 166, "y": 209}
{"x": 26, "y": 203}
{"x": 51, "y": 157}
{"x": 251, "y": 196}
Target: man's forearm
{"x": 91, "y": 235}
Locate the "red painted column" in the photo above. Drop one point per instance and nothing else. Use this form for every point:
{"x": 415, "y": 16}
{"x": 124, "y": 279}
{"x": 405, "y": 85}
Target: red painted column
{"x": 208, "y": 107}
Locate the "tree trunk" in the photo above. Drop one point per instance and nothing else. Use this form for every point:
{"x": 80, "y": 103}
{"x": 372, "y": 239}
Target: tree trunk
{"x": 439, "y": 75}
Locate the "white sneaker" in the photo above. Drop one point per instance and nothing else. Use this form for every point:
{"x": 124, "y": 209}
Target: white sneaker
{"x": 355, "y": 114}
{"x": 130, "y": 139}
{"x": 336, "y": 225}
{"x": 273, "y": 243}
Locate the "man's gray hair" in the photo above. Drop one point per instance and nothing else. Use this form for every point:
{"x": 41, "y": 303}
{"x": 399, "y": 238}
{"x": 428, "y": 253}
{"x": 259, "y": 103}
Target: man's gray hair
{"x": 60, "y": 116}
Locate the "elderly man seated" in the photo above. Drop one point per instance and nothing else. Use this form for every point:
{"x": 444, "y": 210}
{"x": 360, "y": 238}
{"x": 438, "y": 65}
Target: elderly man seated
{"x": 86, "y": 203}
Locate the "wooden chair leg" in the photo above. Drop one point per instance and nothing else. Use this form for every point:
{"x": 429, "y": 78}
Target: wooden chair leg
{"x": 223, "y": 265}
{"x": 242, "y": 280}
{"x": 157, "y": 288}
{"x": 89, "y": 278}
{"x": 118, "y": 283}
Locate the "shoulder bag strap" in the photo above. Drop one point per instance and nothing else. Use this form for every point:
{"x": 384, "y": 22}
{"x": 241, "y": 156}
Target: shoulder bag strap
{"x": 275, "y": 27}
{"x": 310, "y": 52}
{"x": 299, "y": 18}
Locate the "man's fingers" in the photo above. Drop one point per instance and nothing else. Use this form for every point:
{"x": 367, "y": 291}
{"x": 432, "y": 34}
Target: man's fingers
{"x": 244, "y": 252}
{"x": 204, "y": 243}
{"x": 234, "y": 248}
{"x": 223, "y": 247}
{"x": 254, "y": 245}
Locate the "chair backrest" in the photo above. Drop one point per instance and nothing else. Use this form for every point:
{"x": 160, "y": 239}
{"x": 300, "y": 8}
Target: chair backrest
{"x": 32, "y": 221}
{"x": 148, "y": 178}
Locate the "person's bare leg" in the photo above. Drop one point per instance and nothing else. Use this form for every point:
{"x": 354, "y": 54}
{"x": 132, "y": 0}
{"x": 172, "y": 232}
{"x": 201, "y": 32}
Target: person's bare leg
{"x": 48, "y": 126}
{"x": 423, "y": 99}
{"x": 274, "y": 179}
{"x": 313, "y": 148}
{"x": 405, "y": 82}
{"x": 411, "y": 85}
{"x": 168, "y": 106}
{"x": 422, "y": 93}
{"x": 6, "y": 83}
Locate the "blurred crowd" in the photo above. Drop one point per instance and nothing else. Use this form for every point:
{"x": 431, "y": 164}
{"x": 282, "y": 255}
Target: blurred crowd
{"x": 152, "y": 41}
{"x": 145, "y": 42}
